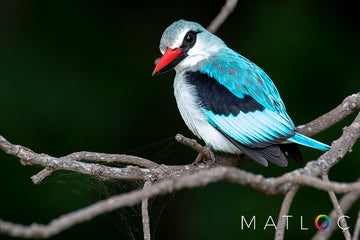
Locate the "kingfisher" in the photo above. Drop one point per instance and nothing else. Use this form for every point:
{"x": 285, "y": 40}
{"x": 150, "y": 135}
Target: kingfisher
{"x": 225, "y": 99}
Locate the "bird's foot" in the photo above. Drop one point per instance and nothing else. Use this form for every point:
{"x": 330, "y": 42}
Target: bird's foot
{"x": 201, "y": 157}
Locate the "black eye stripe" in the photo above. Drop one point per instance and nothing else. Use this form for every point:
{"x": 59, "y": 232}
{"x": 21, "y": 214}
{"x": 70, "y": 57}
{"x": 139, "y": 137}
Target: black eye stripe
{"x": 189, "y": 40}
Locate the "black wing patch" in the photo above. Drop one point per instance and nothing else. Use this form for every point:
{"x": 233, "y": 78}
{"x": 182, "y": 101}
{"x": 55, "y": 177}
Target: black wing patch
{"x": 218, "y": 99}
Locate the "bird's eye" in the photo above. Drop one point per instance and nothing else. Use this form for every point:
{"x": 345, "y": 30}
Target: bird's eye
{"x": 189, "y": 37}
{"x": 189, "y": 40}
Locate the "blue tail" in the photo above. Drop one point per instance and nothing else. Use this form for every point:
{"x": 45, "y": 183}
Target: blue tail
{"x": 309, "y": 142}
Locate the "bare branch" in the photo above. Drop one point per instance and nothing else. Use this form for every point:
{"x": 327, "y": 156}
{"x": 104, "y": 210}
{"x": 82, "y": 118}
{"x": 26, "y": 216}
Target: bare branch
{"x": 112, "y": 158}
{"x": 192, "y": 143}
{"x": 145, "y": 213}
{"x": 8, "y": 147}
{"x": 338, "y": 210}
{"x": 98, "y": 157}
{"x": 222, "y": 16}
{"x": 285, "y": 206}
{"x": 40, "y": 176}
{"x": 29, "y": 157}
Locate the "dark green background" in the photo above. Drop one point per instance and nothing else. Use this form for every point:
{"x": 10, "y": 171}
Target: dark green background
{"x": 76, "y": 75}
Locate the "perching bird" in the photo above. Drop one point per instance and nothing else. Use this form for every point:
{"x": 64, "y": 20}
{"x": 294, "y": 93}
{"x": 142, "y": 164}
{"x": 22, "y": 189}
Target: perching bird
{"x": 224, "y": 98}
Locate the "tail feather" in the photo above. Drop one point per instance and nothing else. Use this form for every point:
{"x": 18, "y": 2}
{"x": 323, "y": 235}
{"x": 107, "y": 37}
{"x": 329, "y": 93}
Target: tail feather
{"x": 309, "y": 142}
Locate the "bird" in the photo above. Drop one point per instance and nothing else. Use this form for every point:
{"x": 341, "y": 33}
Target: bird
{"x": 225, "y": 99}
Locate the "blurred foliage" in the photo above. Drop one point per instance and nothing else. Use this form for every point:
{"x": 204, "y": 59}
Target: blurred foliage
{"x": 76, "y": 75}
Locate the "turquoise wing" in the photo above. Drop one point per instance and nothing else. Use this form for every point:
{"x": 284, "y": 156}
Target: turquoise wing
{"x": 264, "y": 125}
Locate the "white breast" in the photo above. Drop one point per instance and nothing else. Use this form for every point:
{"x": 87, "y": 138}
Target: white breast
{"x": 187, "y": 102}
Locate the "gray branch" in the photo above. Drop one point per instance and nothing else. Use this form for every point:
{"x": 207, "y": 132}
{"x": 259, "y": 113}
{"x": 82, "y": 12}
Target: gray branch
{"x": 169, "y": 178}
{"x": 285, "y": 206}
{"x": 338, "y": 209}
{"x": 145, "y": 213}
{"x": 222, "y": 16}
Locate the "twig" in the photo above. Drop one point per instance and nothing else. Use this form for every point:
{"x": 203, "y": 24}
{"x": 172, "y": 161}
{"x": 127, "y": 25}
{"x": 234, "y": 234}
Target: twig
{"x": 112, "y": 158}
{"x": 338, "y": 209}
{"x": 145, "y": 213}
{"x": 192, "y": 143}
{"x": 285, "y": 206}
{"x": 29, "y": 157}
{"x": 222, "y": 16}
{"x": 40, "y": 176}
{"x": 98, "y": 157}
{"x": 357, "y": 228}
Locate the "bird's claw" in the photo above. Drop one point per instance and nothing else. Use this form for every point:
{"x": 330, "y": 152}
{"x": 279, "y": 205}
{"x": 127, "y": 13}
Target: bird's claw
{"x": 201, "y": 157}
{"x": 198, "y": 158}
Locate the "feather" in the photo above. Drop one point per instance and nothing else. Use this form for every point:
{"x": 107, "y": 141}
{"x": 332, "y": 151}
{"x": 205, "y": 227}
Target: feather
{"x": 309, "y": 142}
{"x": 272, "y": 153}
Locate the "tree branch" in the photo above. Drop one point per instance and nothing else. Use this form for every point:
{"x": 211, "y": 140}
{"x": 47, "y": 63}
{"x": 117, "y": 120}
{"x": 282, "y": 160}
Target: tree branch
{"x": 338, "y": 210}
{"x": 112, "y": 158}
{"x": 222, "y": 16}
{"x": 40, "y": 176}
{"x": 145, "y": 213}
{"x": 285, "y": 206}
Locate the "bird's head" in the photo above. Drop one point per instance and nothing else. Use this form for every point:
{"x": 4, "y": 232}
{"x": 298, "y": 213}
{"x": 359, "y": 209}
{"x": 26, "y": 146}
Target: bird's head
{"x": 185, "y": 44}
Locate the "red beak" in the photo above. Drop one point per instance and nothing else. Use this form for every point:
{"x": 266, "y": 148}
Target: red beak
{"x": 168, "y": 61}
